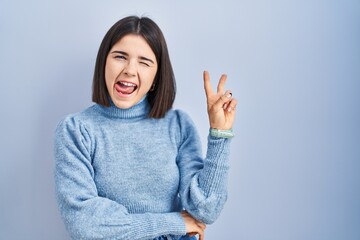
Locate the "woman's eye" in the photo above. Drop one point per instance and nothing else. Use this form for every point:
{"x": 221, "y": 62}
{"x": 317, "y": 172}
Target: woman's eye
{"x": 144, "y": 63}
{"x": 120, "y": 57}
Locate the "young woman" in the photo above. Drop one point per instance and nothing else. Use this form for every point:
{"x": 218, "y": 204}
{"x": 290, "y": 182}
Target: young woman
{"x": 131, "y": 167}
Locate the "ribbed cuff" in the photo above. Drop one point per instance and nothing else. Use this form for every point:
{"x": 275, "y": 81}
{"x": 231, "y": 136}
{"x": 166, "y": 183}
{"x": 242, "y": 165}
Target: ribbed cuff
{"x": 152, "y": 225}
{"x": 213, "y": 178}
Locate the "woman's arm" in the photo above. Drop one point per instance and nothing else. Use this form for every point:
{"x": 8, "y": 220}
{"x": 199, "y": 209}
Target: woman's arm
{"x": 203, "y": 186}
{"x": 87, "y": 215}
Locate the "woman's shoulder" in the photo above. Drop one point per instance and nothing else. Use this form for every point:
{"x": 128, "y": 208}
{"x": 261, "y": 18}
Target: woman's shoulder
{"x": 182, "y": 124}
{"x": 180, "y": 118}
{"x": 82, "y": 118}
{"x": 178, "y": 115}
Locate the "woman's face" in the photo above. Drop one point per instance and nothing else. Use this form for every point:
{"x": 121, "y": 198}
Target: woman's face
{"x": 130, "y": 70}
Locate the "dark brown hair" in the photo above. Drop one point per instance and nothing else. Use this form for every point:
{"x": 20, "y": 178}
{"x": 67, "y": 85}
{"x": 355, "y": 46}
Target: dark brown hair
{"x": 162, "y": 97}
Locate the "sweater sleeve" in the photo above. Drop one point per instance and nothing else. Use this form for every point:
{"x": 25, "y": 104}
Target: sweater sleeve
{"x": 87, "y": 215}
{"x": 203, "y": 186}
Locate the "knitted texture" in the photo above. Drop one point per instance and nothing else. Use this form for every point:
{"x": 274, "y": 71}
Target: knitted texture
{"x": 122, "y": 175}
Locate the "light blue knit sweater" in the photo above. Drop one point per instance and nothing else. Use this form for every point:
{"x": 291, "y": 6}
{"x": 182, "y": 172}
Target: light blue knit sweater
{"x": 122, "y": 175}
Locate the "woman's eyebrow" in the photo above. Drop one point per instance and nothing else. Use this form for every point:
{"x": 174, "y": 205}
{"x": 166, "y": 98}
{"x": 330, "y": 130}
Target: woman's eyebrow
{"x": 142, "y": 58}
{"x": 120, "y": 52}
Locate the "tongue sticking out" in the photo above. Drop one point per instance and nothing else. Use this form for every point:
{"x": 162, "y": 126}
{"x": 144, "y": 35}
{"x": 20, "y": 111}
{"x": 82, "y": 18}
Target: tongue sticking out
{"x": 124, "y": 89}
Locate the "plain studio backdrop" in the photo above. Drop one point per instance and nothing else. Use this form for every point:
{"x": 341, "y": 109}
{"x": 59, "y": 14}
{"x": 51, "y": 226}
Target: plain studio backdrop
{"x": 294, "y": 67}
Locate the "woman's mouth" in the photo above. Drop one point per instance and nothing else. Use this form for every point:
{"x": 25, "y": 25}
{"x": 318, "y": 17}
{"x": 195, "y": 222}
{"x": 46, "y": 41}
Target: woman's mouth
{"x": 125, "y": 88}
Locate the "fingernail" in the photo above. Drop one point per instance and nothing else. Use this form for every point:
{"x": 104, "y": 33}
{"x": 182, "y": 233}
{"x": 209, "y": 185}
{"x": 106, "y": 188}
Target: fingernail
{"x": 229, "y": 110}
{"x": 224, "y": 106}
{"x": 229, "y": 95}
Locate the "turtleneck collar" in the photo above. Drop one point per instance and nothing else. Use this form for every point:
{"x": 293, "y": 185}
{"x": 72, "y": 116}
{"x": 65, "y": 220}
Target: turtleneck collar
{"x": 138, "y": 111}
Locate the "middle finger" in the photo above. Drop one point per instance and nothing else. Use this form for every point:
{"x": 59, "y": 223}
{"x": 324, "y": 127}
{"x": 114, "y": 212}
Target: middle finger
{"x": 201, "y": 225}
{"x": 221, "y": 85}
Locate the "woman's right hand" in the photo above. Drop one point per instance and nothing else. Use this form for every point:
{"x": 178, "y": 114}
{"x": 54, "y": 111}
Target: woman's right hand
{"x": 193, "y": 226}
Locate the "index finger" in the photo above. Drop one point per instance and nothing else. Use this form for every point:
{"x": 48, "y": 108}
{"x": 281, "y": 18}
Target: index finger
{"x": 207, "y": 84}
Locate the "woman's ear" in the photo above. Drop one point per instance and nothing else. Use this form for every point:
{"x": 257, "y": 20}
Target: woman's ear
{"x": 152, "y": 87}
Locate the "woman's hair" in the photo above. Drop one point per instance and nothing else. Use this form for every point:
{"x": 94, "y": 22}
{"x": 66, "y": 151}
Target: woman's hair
{"x": 162, "y": 97}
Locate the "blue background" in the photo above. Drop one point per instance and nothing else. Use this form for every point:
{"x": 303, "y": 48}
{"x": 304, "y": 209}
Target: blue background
{"x": 294, "y": 67}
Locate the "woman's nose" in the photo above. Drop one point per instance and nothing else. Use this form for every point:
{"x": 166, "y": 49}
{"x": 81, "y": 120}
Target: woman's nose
{"x": 130, "y": 69}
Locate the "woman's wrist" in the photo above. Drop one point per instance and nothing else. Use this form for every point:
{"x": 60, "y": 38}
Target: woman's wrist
{"x": 221, "y": 133}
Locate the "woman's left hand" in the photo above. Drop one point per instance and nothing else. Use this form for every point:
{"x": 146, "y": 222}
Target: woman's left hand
{"x": 220, "y": 105}
{"x": 193, "y": 226}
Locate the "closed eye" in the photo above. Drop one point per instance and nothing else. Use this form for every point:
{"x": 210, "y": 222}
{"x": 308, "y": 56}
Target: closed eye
{"x": 146, "y": 64}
